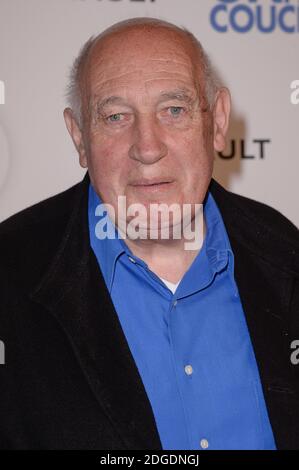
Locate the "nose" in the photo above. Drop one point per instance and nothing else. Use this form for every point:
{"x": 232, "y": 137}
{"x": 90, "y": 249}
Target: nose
{"x": 148, "y": 146}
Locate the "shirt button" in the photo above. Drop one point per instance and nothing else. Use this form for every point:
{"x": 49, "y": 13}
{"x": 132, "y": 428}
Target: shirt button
{"x": 175, "y": 302}
{"x": 204, "y": 444}
{"x": 189, "y": 369}
{"x": 131, "y": 259}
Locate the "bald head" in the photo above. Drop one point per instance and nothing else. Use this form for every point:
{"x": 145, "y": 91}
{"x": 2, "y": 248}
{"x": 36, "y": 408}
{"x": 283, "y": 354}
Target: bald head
{"x": 132, "y": 36}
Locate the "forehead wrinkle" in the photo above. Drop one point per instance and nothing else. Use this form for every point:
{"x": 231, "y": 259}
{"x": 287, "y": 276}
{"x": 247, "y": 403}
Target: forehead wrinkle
{"x": 99, "y": 78}
{"x": 174, "y": 75}
{"x": 123, "y": 69}
{"x": 138, "y": 68}
{"x": 155, "y": 37}
{"x": 95, "y": 69}
{"x": 171, "y": 61}
{"x": 180, "y": 94}
{"x": 104, "y": 57}
{"x": 101, "y": 64}
{"x": 181, "y": 90}
{"x": 108, "y": 85}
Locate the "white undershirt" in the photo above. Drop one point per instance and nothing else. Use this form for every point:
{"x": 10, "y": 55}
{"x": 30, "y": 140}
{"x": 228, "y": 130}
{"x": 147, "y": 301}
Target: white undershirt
{"x": 171, "y": 285}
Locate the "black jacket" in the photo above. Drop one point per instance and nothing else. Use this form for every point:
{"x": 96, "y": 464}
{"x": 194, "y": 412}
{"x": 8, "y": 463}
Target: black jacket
{"x": 69, "y": 380}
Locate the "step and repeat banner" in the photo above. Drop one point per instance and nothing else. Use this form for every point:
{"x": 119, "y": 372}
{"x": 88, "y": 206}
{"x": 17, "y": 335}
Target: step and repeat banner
{"x": 253, "y": 45}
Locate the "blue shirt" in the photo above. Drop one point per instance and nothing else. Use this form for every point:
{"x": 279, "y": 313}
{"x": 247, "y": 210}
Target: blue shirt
{"x": 192, "y": 348}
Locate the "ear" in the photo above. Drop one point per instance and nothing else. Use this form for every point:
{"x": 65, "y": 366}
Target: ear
{"x": 76, "y": 135}
{"x": 221, "y": 112}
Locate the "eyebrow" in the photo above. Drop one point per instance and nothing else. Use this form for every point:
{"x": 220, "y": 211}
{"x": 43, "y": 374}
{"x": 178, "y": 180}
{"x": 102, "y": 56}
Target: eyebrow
{"x": 109, "y": 100}
{"x": 179, "y": 94}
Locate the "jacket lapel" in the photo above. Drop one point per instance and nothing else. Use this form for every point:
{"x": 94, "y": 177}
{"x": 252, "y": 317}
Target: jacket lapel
{"x": 74, "y": 291}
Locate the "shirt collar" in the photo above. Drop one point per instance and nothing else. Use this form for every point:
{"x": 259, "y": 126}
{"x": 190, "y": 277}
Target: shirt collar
{"x": 215, "y": 254}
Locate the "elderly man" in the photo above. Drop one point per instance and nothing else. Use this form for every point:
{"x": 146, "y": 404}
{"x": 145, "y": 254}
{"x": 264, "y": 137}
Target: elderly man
{"x": 137, "y": 342}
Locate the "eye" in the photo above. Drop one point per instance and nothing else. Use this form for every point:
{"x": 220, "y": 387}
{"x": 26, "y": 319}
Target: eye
{"x": 114, "y": 117}
{"x": 176, "y": 110}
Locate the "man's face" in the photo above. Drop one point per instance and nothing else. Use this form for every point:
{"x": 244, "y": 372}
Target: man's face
{"x": 148, "y": 134}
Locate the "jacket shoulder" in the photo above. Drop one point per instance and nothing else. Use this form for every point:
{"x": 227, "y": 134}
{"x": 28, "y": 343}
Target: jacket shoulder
{"x": 263, "y": 230}
{"x": 29, "y": 238}
{"x": 258, "y": 213}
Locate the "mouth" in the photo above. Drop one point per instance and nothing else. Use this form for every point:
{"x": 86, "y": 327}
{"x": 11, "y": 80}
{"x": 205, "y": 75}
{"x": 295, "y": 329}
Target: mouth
{"x": 152, "y": 185}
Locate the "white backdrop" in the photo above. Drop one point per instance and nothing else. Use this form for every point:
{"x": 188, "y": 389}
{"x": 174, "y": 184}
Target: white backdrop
{"x": 40, "y": 38}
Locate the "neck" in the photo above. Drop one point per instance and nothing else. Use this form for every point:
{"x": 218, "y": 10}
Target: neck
{"x": 167, "y": 258}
